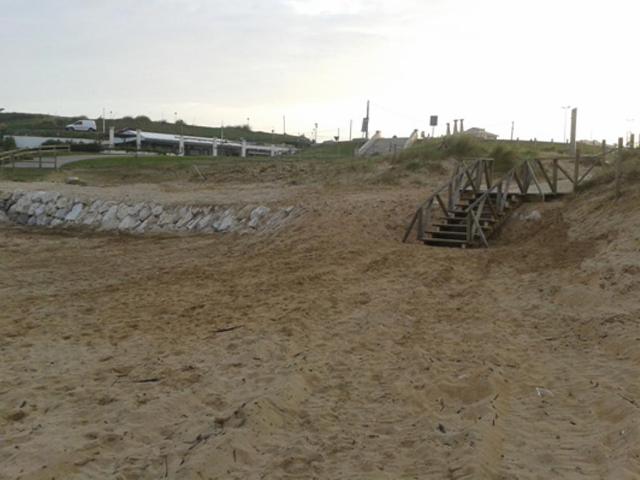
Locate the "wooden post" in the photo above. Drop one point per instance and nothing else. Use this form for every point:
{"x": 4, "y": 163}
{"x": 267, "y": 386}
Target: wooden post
{"x": 574, "y": 127}
{"x": 619, "y": 166}
{"x": 576, "y": 170}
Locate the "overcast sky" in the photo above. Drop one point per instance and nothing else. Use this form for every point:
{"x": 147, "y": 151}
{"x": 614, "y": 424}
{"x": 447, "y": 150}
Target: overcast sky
{"x": 490, "y": 62}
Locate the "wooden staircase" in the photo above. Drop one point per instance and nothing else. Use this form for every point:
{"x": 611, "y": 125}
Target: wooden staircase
{"x": 471, "y": 207}
{"x": 450, "y": 230}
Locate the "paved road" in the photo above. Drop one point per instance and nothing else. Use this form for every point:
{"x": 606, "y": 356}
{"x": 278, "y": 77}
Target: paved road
{"x": 48, "y": 162}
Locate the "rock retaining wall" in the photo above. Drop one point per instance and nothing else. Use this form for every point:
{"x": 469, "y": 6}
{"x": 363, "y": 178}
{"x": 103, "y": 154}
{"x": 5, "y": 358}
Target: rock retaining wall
{"x": 51, "y": 209}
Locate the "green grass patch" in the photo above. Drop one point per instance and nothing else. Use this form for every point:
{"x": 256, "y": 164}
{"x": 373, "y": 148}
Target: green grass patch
{"x": 24, "y": 174}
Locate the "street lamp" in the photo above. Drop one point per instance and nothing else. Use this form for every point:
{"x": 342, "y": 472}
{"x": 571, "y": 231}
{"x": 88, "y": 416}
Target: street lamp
{"x": 565, "y": 108}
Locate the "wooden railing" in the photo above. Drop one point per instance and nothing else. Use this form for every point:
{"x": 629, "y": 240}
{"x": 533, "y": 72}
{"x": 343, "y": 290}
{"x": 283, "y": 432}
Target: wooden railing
{"x": 516, "y": 182}
{"x": 553, "y": 169}
{"x": 468, "y": 175}
{"x": 35, "y": 155}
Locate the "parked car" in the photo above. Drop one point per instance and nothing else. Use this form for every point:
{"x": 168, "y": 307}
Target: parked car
{"x": 82, "y": 126}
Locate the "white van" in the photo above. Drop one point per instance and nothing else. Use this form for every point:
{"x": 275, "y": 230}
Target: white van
{"x": 82, "y": 126}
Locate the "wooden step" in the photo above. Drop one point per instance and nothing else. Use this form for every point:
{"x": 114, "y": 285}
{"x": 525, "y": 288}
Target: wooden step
{"x": 457, "y": 220}
{"x": 462, "y": 216}
{"x": 445, "y": 242}
{"x": 445, "y": 234}
{"x": 457, "y": 227}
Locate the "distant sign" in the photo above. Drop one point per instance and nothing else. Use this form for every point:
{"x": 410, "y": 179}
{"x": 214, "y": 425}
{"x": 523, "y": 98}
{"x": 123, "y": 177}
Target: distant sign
{"x": 365, "y": 125}
{"x": 433, "y": 122}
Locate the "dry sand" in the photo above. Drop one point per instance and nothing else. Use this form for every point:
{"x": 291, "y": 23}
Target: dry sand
{"x": 328, "y": 350}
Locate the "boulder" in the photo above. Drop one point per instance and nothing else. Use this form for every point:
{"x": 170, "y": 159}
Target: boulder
{"x": 205, "y": 222}
{"x": 32, "y": 208}
{"x": 123, "y": 211}
{"x": 534, "y": 216}
{"x": 135, "y": 209}
{"x": 226, "y": 222}
{"x": 40, "y": 210}
{"x": 74, "y": 181}
{"x": 92, "y": 218}
{"x": 61, "y": 213}
{"x": 75, "y": 213}
{"x": 184, "y": 219}
{"x": 50, "y": 208}
{"x": 104, "y": 208}
{"x": 167, "y": 218}
{"x": 110, "y": 219}
{"x": 157, "y": 210}
{"x": 147, "y": 225}
{"x": 257, "y": 215}
{"x": 128, "y": 223}
{"x": 45, "y": 197}
{"x": 145, "y": 212}
{"x": 96, "y": 205}
{"x": 22, "y": 205}
{"x": 62, "y": 202}
{"x": 245, "y": 212}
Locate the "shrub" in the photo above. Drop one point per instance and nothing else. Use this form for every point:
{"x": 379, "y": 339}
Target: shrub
{"x": 8, "y": 143}
{"x": 461, "y": 146}
{"x": 94, "y": 147}
{"x": 504, "y": 158}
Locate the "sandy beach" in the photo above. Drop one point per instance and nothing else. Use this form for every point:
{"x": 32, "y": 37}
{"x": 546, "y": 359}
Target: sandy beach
{"x": 326, "y": 350}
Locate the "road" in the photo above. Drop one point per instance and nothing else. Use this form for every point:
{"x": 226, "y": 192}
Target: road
{"x": 49, "y": 161}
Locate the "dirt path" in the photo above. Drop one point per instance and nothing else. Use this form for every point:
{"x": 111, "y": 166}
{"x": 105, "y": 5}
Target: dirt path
{"x": 327, "y": 351}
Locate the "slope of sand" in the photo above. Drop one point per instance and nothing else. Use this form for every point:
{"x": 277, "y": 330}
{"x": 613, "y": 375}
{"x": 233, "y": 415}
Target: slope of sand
{"x": 328, "y": 350}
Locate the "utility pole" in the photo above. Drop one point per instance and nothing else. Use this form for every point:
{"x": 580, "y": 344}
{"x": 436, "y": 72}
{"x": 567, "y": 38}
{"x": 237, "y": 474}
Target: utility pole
{"x": 574, "y": 126}
{"x": 365, "y": 123}
{"x": 284, "y": 125}
{"x": 565, "y": 108}
{"x": 513, "y": 126}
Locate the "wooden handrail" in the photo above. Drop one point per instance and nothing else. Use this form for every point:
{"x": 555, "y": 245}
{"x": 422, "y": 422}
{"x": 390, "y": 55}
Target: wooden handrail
{"x": 455, "y": 185}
